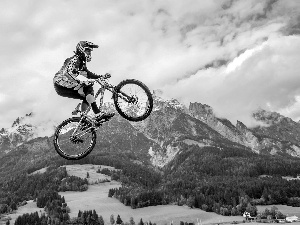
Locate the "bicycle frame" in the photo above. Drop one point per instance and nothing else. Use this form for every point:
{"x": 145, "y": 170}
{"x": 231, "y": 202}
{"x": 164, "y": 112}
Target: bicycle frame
{"x": 104, "y": 85}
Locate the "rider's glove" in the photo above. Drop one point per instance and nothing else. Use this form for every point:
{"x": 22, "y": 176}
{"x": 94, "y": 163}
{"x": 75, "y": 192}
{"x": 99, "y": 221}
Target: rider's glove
{"x": 106, "y": 76}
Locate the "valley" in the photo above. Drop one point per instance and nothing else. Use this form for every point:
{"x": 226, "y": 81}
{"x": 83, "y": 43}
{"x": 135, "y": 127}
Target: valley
{"x": 180, "y": 164}
{"x": 30, "y": 207}
{"x": 96, "y": 198}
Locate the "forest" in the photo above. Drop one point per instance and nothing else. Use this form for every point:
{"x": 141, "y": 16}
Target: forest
{"x": 227, "y": 181}
{"x": 86, "y": 217}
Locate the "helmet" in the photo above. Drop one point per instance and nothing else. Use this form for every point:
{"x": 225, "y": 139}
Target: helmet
{"x": 82, "y": 46}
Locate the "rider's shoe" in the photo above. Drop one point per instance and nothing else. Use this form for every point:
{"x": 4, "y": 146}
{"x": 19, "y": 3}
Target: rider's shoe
{"x": 104, "y": 116}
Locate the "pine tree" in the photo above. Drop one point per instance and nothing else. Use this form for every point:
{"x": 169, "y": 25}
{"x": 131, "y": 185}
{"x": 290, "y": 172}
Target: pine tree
{"x": 13, "y": 206}
{"x": 119, "y": 220}
{"x": 101, "y": 221}
{"x": 141, "y": 222}
{"x": 131, "y": 221}
{"x": 95, "y": 215}
{"x": 112, "y": 219}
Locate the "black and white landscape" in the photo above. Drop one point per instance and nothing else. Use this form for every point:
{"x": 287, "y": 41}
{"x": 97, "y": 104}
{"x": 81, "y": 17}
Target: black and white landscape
{"x": 222, "y": 141}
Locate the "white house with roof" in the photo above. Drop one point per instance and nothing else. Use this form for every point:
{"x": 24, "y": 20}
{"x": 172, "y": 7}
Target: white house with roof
{"x": 248, "y": 216}
{"x": 292, "y": 218}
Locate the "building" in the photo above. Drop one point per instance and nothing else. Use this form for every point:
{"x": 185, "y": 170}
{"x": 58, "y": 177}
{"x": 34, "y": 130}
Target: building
{"x": 248, "y": 216}
{"x": 292, "y": 219}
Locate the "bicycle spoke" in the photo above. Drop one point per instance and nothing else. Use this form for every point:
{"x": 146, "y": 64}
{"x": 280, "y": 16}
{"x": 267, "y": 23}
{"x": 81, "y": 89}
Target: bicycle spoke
{"x": 137, "y": 108}
{"x": 72, "y": 142}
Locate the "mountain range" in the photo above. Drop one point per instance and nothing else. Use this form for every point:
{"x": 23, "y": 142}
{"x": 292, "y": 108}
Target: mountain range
{"x": 157, "y": 140}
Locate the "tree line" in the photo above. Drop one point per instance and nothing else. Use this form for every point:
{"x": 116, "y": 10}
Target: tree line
{"x": 85, "y": 217}
{"x": 15, "y": 191}
{"x": 223, "y": 180}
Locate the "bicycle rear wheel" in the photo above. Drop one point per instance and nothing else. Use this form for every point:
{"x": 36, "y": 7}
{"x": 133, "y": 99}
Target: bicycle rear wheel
{"x": 133, "y": 100}
{"x": 74, "y": 139}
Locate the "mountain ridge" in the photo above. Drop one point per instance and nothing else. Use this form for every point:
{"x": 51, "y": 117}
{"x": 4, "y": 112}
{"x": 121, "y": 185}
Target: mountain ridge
{"x": 171, "y": 125}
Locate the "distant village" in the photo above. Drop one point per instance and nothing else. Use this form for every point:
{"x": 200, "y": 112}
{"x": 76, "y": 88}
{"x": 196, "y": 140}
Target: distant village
{"x": 269, "y": 219}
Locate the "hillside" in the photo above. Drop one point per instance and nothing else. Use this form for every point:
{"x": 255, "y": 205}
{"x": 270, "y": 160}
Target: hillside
{"x": 178, "y": 155}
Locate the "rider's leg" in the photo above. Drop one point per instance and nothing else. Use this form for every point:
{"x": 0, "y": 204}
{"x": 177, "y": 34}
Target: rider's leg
{"x": 84, "y": 105}
{"x": 90, "y": 99}
{"x": 85, "y": 93}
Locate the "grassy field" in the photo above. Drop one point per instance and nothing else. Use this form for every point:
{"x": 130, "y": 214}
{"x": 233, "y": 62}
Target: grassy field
{"x": 82, "y": 170}
{"x": 96, "y": 197}
{"x": 29, "y": 208}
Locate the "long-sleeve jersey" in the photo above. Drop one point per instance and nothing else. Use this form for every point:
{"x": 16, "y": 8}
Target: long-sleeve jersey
{"x": 72, "y": 67}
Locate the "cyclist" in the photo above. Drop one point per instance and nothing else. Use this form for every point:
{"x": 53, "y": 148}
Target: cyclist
{"x": 66, "y": 83}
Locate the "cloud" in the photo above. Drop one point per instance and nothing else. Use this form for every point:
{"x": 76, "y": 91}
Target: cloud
{"x": 184, "y": 47}
{"x": 264, "y": 77}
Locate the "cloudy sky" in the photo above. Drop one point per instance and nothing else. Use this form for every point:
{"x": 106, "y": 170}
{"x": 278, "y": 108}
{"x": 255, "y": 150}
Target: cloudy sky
{"x": 234, "y": 55}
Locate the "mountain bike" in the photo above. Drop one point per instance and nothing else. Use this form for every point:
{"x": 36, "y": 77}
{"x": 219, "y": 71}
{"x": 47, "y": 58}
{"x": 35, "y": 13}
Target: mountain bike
{"x": 75, "y": 137}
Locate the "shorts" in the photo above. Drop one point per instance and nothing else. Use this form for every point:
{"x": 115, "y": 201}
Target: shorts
{"x": 71, "y": 93}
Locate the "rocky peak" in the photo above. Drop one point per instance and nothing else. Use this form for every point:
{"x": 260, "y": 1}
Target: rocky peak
{"x": 3, "y": 131}
{"x": 241, "y": 127}
{"x": 171, "y": 123}
{"x": 160, "y": 103}
{"x": 16, "y": 122}
{"x": 200, "y": 111}
{"x": 269, "y": 117}
{"x": 20, "y": 120}
{"x": 20, "y": 132}
{"x": 278, "y": 127}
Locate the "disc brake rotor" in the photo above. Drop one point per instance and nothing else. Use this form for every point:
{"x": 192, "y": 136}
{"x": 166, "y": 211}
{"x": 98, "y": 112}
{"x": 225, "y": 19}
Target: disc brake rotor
{"x": 134, "y": 99}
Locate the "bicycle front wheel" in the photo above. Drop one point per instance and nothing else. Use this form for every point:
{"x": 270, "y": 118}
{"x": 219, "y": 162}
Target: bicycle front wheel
{"x": 74, "y": 139}
{"x": 133, "y": 100}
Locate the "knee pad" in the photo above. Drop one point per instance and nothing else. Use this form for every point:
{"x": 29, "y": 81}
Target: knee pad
{"x": 90, "y": 98}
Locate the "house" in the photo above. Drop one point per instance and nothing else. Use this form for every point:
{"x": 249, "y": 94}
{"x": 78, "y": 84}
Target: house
{"x": 292, "y": 219}
{"x": 248, "y": 216}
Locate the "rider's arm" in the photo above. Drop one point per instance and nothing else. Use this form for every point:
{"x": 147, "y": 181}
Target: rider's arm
{"x": 88, "y": 74}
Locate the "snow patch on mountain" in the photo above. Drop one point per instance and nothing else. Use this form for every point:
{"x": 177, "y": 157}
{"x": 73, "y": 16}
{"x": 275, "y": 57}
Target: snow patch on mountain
{"x": 296, "y": 152}
{"x": 192, "y": 142}
{"x": 160, "y": 159}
